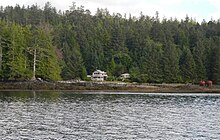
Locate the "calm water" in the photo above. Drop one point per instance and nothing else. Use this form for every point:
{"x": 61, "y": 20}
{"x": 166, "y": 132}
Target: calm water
{"x": 70, "y": 115}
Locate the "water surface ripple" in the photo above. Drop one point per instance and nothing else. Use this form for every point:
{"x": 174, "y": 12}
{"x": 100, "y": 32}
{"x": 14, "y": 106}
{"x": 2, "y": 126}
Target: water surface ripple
{"x": 70, "y": 115}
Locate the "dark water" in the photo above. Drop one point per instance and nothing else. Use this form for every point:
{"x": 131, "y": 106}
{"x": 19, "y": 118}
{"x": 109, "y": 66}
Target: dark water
{"x": 70, "y": 115}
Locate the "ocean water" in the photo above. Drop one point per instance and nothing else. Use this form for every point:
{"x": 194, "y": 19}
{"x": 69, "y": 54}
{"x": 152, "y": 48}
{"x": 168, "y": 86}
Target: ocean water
{"x": 108, "y": 115}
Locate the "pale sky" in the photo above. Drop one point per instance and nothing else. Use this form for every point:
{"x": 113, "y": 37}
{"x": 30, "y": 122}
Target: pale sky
{"x": 197, "y": 9}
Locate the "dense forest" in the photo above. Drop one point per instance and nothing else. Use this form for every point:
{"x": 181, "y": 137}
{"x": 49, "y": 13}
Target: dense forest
{"x": 53, "y": 45}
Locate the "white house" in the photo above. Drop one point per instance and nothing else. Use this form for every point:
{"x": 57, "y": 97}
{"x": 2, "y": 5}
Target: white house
{"x": 99, "y": 75}
{"x": 125, "y": 76}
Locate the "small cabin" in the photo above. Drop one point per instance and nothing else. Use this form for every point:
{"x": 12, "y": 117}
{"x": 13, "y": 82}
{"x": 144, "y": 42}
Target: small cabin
{"x": 125, "y": 76}
{"x": 99, "y": 75}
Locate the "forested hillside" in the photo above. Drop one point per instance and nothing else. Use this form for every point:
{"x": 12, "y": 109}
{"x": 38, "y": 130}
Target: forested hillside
{"x": 71, "y": 44}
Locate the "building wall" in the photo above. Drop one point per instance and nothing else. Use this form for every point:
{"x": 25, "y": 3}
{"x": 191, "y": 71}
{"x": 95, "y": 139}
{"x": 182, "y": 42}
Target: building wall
{"x": 98, "y": 75}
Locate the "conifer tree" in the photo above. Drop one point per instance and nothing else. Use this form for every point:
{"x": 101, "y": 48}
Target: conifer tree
{"x": 187, "y": 66}
{"x": 215, "y": 65}
{"x": 170, "y": 64}
{"x": 46, "y": 62}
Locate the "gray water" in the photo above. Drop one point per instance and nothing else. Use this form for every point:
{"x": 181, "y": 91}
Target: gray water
{"x": 100, "y": 116}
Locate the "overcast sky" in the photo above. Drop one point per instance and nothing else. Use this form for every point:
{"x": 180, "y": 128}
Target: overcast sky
{"x": 198, "y": 9}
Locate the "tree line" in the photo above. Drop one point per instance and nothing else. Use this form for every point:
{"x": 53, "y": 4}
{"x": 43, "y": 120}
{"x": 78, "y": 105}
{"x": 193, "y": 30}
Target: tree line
{"x": 55, "y": 45}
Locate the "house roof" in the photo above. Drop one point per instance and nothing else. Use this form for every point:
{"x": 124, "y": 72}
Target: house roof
{"x": 99, "y": 71}
{"x": 125, "y": 74}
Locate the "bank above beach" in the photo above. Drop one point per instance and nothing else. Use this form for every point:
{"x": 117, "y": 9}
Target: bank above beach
{"x": 108, "y": 86}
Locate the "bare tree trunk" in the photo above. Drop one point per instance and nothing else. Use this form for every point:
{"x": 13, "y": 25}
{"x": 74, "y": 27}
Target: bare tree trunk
{"x": 34, "y": 65}
{"x": 0, "y": 57}
{"x": 0, "y": 53}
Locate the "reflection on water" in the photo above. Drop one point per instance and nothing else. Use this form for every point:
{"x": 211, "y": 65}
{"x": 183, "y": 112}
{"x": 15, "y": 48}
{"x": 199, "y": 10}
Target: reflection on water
{"x": 71, "y": 115}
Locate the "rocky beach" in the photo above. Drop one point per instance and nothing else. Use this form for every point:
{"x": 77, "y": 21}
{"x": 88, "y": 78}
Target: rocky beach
{"x": 108, "y": 86}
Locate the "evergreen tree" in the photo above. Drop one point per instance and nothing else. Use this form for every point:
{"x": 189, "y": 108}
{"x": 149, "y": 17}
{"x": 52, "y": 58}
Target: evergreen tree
{"x": 151, "y": 61}
{"x": 72, "y": 57}
{"x": 215, "y": 63}
{"x": 46, "y": 62}
{"x": 187, "y": 66}
{"x": 14, "y": 43}
{"x": 170, "y": 64}
{"x": 199, "y": 58}
{"x": 42, "y": 42}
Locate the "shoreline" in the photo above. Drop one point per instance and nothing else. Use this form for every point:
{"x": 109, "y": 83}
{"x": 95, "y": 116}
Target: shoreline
{"x": 106, "y": 87}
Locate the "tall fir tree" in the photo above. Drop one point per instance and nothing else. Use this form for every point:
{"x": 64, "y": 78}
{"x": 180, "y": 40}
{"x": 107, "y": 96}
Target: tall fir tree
{"x": 170, "y": 64}
{"x": 44, "y": 55}
{"x": 187, "y": 66}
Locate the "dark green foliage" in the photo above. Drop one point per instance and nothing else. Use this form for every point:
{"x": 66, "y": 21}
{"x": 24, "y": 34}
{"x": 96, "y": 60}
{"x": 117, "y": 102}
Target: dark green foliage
{"x": 215, "y": 62}
{"x": 17, "y": 47}
{"x": 74, "y": 43}
{"x": 150, "y": 59}
{"x": 84, "y": 74}
{"x": 47, "y": 66}
{"x": 170, "y": 64}
{"x": 14, "y": 65}
{"x": 72, "y": 59}
{"x": 187, "y": 66}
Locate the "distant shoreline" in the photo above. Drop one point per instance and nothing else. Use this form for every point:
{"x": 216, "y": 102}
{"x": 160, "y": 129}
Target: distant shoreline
{"x": 108, "y": 86}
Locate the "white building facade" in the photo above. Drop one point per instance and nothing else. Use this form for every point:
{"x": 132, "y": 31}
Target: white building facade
{"x": 125, "y": 76}
{"x": 99, "y": 75}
